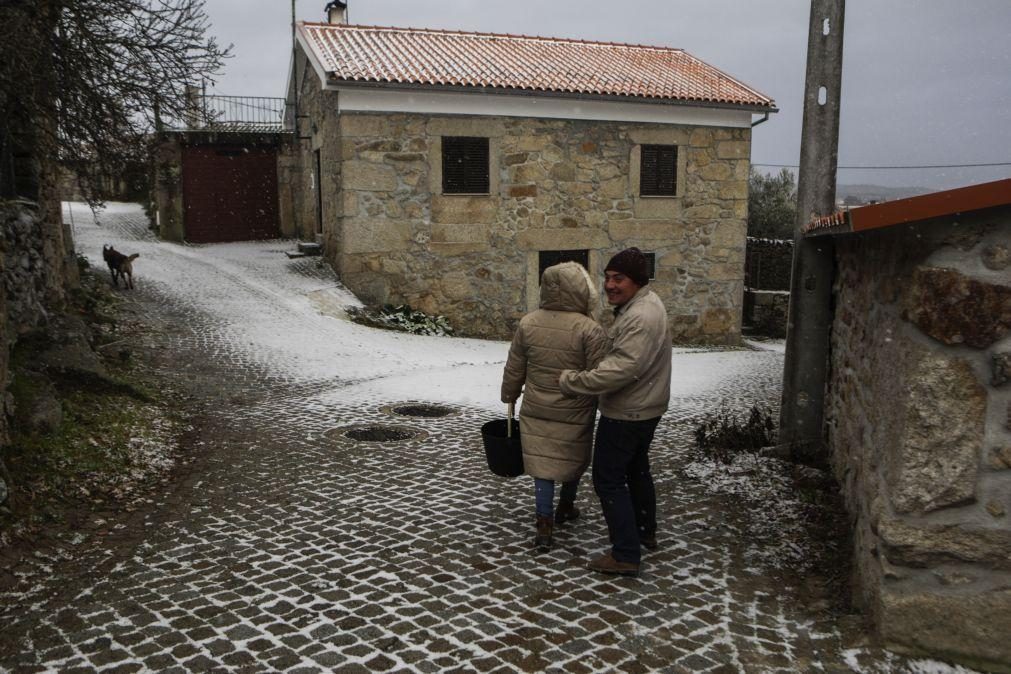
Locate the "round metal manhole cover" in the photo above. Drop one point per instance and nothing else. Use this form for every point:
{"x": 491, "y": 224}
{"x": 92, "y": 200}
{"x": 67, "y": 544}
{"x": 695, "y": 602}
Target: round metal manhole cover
{"x": 376, "y": 433}
{"x": 422, "y": 410}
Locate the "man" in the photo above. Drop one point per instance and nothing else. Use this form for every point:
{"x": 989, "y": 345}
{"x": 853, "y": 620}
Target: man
{"x": 633, "y": 382}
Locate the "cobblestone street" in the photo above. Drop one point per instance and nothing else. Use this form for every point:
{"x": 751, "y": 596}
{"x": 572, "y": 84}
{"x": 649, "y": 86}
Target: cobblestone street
{"x": 292, "y": 547}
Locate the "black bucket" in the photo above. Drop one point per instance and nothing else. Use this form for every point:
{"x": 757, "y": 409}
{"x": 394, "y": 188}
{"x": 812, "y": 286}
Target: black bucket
{"x": 504, "y": 454}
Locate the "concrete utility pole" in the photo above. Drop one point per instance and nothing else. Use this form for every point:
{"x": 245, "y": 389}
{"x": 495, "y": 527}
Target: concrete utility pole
{"x": 807, "y": 337}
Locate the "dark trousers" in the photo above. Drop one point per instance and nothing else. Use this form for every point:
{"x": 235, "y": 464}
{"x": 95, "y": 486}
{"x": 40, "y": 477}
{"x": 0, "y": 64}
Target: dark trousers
{"x": 624, "y": 484}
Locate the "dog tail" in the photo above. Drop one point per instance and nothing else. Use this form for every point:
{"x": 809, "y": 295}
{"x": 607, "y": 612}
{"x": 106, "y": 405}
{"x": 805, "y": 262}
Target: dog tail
{"x": 133, "y": 257}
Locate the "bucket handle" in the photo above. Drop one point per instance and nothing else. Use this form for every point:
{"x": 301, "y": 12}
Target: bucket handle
{"x": 510, "y": 408}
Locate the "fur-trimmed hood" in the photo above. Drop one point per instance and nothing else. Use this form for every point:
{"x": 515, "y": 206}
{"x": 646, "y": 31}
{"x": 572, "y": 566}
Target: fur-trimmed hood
{"x": 568, "y": 287}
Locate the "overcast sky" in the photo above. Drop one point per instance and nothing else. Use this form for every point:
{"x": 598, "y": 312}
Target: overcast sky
{"x": 924, "y": 81}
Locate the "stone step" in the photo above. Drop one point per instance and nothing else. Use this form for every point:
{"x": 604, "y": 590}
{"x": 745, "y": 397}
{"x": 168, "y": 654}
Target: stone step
{"x": 310, "y": 249}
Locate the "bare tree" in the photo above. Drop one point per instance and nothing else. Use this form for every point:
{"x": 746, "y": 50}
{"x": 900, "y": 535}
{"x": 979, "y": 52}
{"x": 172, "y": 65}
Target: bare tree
{"x": 83, "y": 81}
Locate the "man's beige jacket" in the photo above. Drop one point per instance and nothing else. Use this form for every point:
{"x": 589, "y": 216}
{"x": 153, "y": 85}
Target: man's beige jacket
{"x": 633, "y": 379}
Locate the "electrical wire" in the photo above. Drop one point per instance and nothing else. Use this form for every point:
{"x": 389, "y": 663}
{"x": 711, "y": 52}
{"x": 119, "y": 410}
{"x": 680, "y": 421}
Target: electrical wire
{"x": 876, "y": 168}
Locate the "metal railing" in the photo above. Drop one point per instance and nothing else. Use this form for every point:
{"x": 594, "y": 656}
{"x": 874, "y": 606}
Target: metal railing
{"x": 231, "y": 113}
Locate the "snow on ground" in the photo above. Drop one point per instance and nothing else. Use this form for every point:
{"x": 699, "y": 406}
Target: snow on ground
{"x": 777, "y": 345}
{"x": 852, "y": 657}
{"x": 289, "y": 315}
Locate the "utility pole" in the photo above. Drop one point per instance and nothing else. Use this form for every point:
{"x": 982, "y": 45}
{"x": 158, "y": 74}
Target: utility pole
{"x": 294, "y": 72}
{"x": 807, "y": 338}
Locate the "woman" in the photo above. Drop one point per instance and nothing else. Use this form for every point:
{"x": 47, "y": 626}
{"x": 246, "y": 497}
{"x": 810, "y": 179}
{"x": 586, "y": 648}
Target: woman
{"x": 556, "y": 432}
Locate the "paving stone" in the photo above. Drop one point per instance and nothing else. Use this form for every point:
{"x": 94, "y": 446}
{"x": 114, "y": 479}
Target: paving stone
{"x": 160, "y": 661}
{"x": 239, "y": 659}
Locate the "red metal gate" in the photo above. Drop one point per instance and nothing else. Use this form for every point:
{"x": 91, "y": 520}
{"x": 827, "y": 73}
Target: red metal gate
{"x": 229, "y": 193}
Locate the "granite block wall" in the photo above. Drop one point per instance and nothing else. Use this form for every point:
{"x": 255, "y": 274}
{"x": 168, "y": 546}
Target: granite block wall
{"x": 919, "y": 426}
{"x": 555, "y": 185}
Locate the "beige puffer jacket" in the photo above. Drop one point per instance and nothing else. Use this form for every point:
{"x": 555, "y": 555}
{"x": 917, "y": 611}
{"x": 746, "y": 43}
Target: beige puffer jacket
{"x": 556, "y": 431}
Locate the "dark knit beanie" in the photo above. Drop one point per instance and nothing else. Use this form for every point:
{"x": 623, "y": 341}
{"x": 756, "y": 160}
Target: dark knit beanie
{"x": 632, "y": 263}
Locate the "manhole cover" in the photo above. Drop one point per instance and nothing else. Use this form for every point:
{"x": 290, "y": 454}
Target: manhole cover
{"x": 422, "y": 410}
{"x": 379, "y": 433}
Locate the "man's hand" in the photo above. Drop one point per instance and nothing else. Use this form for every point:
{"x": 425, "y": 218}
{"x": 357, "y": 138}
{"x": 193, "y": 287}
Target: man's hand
{"x": 558, "y": 380}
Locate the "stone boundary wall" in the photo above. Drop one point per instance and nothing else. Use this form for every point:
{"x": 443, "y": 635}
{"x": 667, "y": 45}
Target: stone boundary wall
{"x": 768, "y": 263}
{"x": 918, "y": 418}
{"x": 22, "y": 304}
{"x": 766, "y": 312}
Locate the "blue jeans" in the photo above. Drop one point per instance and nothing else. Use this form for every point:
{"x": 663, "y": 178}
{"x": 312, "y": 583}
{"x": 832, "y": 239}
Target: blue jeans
{"x": 624, "y": 484}
{"x": 544, "y": 495}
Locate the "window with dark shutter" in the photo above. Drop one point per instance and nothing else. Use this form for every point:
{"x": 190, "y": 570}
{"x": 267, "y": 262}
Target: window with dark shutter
{"x": 658, "y": 170}
{"x": 650, "y": 265}
{"x": 549, "y": 258}
{"x": 465, "y": 165}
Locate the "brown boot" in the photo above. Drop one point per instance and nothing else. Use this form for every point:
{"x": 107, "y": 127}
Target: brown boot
{"x": 608, "y": 564}
{"x": 545, "y": 525}
{"x": 566, "y": 512}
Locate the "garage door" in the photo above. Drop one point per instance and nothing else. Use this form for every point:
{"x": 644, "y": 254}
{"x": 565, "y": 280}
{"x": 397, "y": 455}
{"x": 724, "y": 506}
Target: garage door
{"x": 229, "y": 193}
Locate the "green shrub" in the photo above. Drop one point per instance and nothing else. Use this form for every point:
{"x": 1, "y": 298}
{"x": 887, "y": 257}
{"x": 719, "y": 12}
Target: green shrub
{"x": 721, "y": 435}
{"x": 401, "y": 318}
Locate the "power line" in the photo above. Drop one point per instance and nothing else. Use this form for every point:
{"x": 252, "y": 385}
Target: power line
{"x": 875, "y": 168}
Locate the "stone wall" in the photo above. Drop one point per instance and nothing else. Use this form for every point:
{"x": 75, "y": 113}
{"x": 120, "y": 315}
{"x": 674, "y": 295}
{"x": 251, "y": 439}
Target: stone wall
{"x": 766, "y": 312}
{"x": 167, "y": 187}
{"x": 24, "y": 266}
{"x": 322, "y": 192}
{"x": 919, "y": 425}
{"x": 555, "y": 185}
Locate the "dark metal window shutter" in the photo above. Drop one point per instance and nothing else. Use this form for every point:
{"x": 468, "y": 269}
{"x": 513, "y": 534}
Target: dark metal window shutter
{"x": 658, "y": 170}
{"x": 465, "y": 165}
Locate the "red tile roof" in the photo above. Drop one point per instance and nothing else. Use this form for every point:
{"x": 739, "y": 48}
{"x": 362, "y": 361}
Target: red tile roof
{"x": 351, "y": 53}
{"x": 914, "y": 209}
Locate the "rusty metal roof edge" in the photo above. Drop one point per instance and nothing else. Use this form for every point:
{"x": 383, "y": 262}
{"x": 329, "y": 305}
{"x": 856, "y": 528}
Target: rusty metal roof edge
{"x": 981, "y": 196}
{"x": 936, "y": 204}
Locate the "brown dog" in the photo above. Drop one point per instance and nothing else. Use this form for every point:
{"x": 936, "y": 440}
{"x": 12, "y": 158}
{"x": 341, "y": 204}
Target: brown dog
{"x": 119, "y": 266}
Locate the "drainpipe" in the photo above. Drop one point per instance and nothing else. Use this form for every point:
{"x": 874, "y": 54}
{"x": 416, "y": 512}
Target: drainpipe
{"x": 807, "y": 341}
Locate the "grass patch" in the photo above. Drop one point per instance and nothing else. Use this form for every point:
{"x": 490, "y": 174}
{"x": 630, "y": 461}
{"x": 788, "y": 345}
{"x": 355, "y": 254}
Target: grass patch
{"x": 723, "y": 434}
{"x": 112, "y": 439}
{"x": 401, "y": 318}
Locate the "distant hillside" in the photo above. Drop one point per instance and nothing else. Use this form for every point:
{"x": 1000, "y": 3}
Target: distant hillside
{"x": 864, "y": 194}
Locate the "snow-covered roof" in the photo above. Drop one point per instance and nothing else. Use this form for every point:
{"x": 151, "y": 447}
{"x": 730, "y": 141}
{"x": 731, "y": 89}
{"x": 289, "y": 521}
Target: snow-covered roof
{"x": 519, "y": 63}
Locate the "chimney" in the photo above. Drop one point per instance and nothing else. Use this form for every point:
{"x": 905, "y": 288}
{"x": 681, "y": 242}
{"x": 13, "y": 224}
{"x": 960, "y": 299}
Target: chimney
{"x": 336, "y": 12}
{"x": 191, "y": 113}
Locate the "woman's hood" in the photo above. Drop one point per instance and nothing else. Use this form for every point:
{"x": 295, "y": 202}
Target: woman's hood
{"x": 568, "y": 287}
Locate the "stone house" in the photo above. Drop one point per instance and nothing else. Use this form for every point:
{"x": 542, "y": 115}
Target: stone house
{"x": 445, "y": 169}
{"x": 918, "y": 416}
